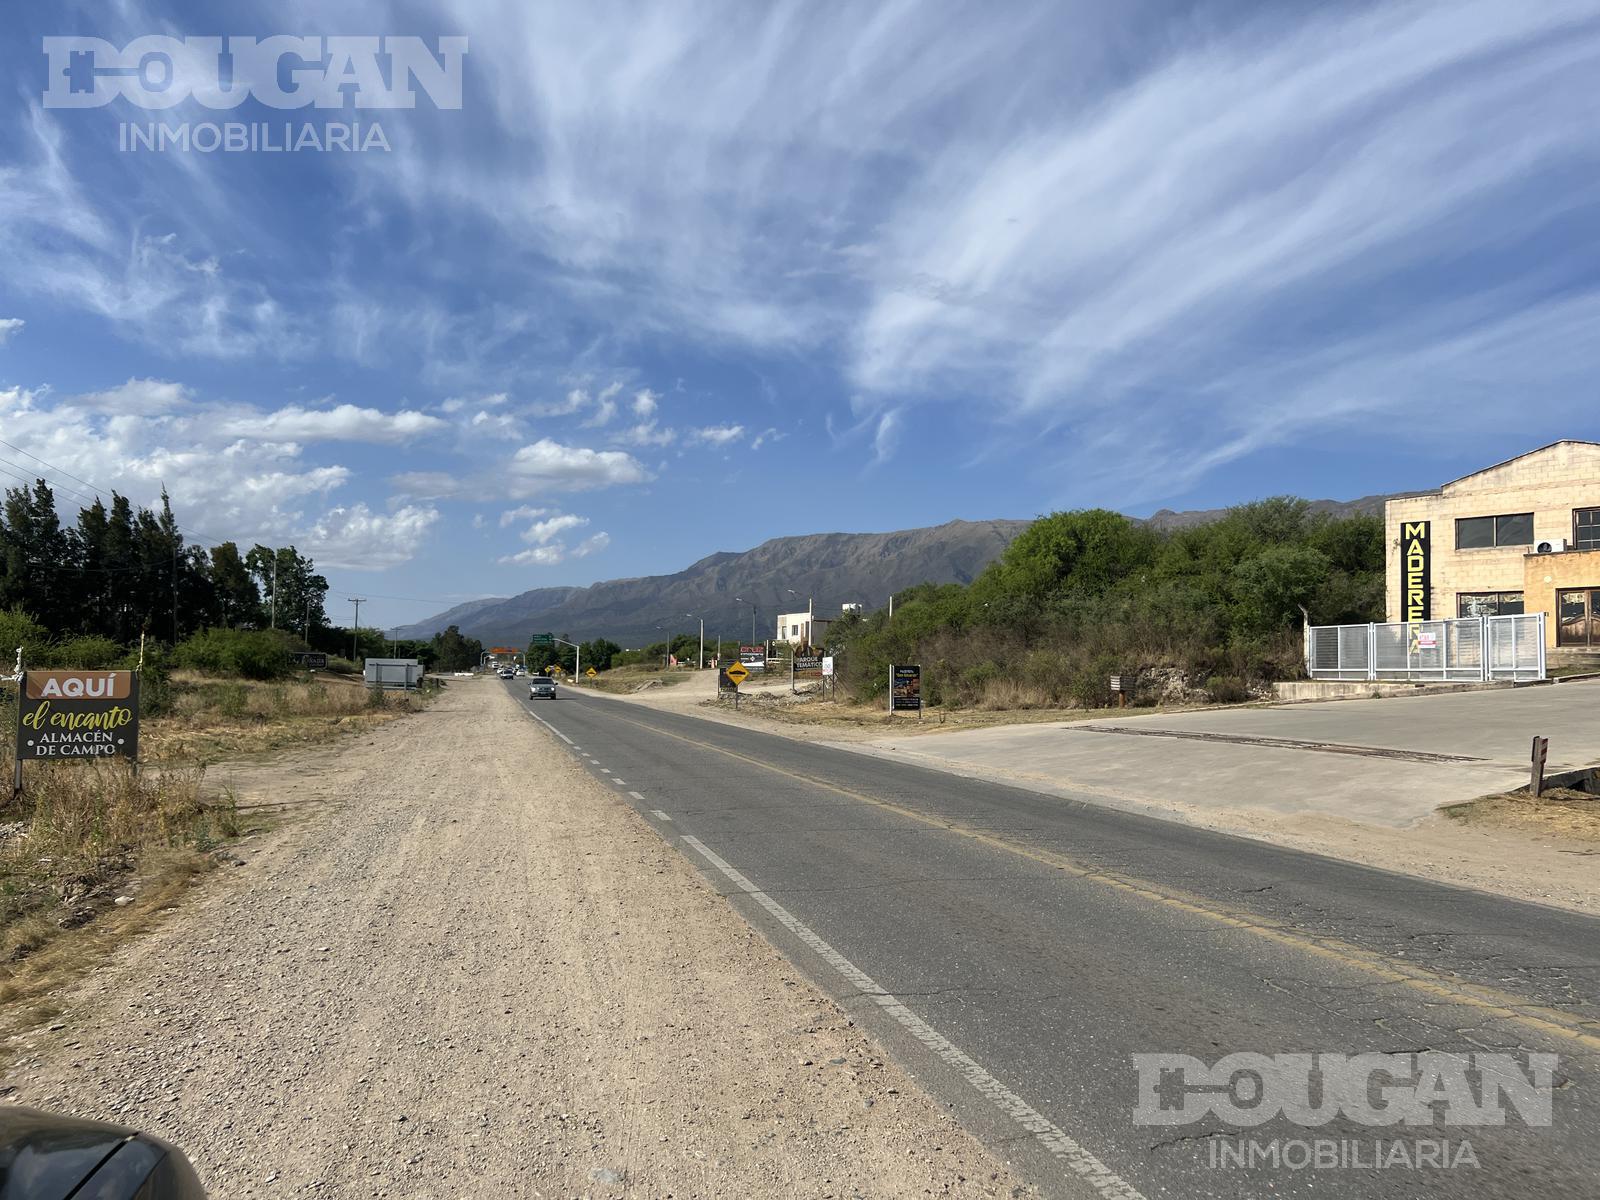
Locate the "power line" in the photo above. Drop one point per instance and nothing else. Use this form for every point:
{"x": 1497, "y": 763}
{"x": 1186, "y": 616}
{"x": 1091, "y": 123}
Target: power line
{"x": 97, "y": 489}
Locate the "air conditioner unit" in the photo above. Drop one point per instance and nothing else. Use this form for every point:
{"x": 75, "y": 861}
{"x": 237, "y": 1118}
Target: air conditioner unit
{"x": 1553, "y": 546}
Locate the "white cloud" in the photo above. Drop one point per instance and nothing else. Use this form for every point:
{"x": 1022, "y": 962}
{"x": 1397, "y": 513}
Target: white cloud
{"x": 547, "y": 551}
{"x": 591, "y": 545}
{"x": 524, "y": 513}
{"x": 605, "y": 408}
{"x": 575, "y": 401}
{"x": 646, "y": 433}
{"x": 765, "y": 436}
{"x": 887, "y": 436}
{"x": 645, "y": 403}
{"x": 538, "y": 556}
{"x": 549, "y": 465}
{"x": 456, "y": 404}
{"x": 343, "y": 423}
{"x": 145, "y": 397}
{"x": 10, "y": 326}
{"x": 146, "y": 435}
{"x": 358, "y": 539}
{"x": 717, "y": 435}
{"x": 543, "y": 532}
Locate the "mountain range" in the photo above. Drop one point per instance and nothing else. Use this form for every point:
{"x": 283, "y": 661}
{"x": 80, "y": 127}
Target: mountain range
{"x": 783, "y": 575}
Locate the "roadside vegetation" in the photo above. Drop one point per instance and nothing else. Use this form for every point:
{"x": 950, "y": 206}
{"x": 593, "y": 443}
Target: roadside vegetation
{"x": 97, "y": 848}
{"x": 1209, "y": 613}
{"x": 629, "y": 679}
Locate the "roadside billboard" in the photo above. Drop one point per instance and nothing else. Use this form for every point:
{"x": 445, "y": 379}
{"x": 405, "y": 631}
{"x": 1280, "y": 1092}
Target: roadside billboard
{"x": 905, "y": 688}
{"x": 807, "y": 666}
{"x": 753, "y": 657}
{"x": 78, "y": 714}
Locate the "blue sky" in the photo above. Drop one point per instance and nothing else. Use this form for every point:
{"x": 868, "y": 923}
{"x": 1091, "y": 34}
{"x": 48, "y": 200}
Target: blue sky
{"x": 676, "y": 278}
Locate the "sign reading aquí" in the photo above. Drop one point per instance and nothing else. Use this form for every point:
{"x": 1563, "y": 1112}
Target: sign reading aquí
{"x": 1416, "y": 554}
{"x": 78, "y": 714}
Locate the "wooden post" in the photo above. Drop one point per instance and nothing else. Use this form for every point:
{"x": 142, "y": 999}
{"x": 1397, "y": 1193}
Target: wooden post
{"x": 1541, "y": 751}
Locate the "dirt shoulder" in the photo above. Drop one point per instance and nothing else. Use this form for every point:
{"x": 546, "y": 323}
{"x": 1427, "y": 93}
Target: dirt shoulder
{"x": 468, "y": 969}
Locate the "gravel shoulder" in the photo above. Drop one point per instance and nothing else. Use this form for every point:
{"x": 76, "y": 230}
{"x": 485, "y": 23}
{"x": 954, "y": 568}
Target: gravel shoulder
{"x": 465, "y": 968}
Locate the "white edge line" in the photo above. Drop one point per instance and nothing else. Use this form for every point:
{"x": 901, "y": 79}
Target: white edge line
{"x": 619, "y": 782}
{"x": 656, "y": 812}
{"x": 637, "y": 796}
{"x": 551, "y": 728}
{"x": 1077, "y": 1158}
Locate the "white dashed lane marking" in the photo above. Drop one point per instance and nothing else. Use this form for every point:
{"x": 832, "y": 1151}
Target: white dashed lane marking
{"x": 658, "y": 814}
{"x": 636, "y": 795}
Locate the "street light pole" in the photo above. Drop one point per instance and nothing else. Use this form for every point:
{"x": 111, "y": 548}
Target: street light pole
{"x": 701, "y": 666}
{"x": 355, "y": 634}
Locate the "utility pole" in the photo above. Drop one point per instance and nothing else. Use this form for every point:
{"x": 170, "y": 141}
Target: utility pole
{"x": 355, "y": 634}
{"x": 272, "y": 620}
{"x": 305, "y": 635}
{"x": 702, "y": 663}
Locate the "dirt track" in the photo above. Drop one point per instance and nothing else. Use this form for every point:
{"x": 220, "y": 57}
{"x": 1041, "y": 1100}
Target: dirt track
{"x": 476, "y": 972}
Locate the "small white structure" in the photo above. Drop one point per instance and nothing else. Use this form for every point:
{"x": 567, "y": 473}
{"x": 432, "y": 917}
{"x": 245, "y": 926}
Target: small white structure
{"x": 806, "y": 628}
{"x": 392, "y": 673}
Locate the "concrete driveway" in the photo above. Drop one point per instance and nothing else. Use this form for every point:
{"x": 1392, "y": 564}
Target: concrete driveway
{"x": 1382, "y": 762}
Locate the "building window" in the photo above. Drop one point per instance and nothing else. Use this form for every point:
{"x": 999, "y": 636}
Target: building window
{"x": 1489, "y": 604}
{"x": 1480, "y": 533}
{"x": 1586, "y": 528}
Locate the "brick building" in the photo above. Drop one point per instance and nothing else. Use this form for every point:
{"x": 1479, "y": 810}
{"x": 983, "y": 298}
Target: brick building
{"x": 1520, "y": 536}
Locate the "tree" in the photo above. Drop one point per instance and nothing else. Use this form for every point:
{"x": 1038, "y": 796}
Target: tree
{"x": 36, "y": 557}
{"x": 453, "y": 651}
{"x": 294, "y": 595}
{"x": 238, "y": 600}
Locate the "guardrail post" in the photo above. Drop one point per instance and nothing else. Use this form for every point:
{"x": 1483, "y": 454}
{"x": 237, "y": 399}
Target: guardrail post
{"x": 1372, "y": 650}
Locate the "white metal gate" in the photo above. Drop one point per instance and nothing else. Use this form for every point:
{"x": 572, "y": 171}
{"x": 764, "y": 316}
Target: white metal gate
{"x": 1456, "y": 650}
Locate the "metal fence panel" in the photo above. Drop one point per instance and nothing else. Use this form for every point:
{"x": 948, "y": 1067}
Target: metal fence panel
{"x": 1452, "y": 650}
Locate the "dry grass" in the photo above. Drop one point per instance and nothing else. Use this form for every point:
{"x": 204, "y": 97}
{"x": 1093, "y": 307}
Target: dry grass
{"x": 84, "y": 833}
{"x": 809, "y": 709}
{"x": 625, "y": 681}
{"x": 81, "y": 835}
{"x": 1559, "y": 813}
{"x": 216, "y": 718}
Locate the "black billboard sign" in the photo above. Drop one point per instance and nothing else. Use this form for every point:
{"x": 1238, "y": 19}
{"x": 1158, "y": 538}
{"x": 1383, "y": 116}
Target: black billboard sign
{"x": 807, "y": 666}
{"x": 905, "y": 688}
{"x": 78, "y": 714}
{"x": 1416, "y": 563}
{"x": 312, "y": 660}
{"x": 753, "y": 657}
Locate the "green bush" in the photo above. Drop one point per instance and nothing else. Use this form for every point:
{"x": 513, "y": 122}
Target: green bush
{"x": 1227, "y": 689}
{"x": 86, "y": 654}
{"x": 246, "y": 653}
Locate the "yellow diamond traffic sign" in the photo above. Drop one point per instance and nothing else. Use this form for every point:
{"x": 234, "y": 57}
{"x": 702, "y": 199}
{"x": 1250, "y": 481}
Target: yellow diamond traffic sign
{"x": 737, "y": 672}
{"x": 591, "y": 672}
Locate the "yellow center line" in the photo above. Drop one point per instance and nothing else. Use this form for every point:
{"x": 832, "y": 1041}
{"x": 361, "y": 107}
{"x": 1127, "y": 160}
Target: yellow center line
{"x": 1570, "y": 1027}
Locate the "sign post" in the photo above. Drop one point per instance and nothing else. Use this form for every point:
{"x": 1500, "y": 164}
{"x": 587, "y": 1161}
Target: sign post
{"x": 734, "y": 674}
{"x": 905, "y": 689}
{"x": 75, "y": 715}
{"x": 1541, "y": 751}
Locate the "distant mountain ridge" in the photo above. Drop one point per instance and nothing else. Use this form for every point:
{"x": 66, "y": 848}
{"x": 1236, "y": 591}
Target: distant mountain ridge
{"x": 1166, "y": 518}
{"x": 780, "y": 575}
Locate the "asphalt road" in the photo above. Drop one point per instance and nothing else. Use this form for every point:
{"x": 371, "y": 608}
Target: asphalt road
{"x": 1015, "y": 951}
